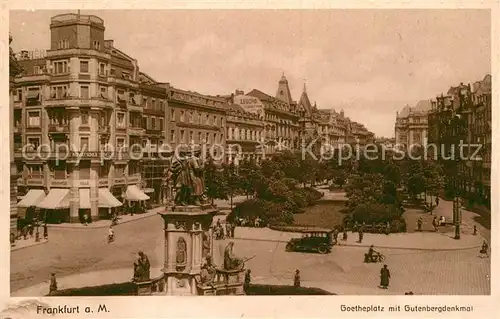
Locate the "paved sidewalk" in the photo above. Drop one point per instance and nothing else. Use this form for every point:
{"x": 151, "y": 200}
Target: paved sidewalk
{"x": 445, "y": 208}
{"x": 21, "y": 243}
{"x": 412, "y": 241}
{"x": 104, "y": 223}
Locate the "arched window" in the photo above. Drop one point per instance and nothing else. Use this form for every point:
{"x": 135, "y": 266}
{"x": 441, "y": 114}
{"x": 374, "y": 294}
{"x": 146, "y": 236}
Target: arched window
{"x": 181, "y": 259}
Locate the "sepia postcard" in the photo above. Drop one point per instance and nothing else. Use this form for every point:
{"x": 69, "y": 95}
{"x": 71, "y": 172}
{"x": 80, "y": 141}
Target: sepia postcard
{"x": 301, "y": 157}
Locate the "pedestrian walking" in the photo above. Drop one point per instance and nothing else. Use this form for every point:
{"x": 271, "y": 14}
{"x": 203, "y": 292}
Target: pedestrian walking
{"x": 233, "y": 226}
{"x": 296, "y": 279}
{"x": 248, "y": 279}
{"x": 387, "y": 228}
{"x": 475, "y": 230}
{"x": 437, "y": 200}
{"x": 434, "y": 223}
{"x": 344, "y": 236}
{"x": 53, "y": 283}
{"x": 419, "y": 223}
{"x": 385, "y": 275}
{"x": 484, "y": 249}
{"x": 45, "y": 231}
{"x": 228, "y": 229}
{"x": 361, "y": 233}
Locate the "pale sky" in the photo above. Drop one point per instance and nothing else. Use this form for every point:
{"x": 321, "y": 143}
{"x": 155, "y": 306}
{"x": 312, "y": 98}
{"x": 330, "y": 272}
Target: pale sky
{"x": 370, "y": 63}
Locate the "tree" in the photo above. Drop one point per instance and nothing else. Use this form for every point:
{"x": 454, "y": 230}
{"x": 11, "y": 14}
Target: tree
{"x": 215, "y": 183}
{"x": 249, "y": 176}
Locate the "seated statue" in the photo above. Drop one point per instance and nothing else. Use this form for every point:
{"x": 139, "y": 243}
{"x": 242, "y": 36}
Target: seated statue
{"x": 231, "y": 262}
{"x": 142, "y": 267}
{"x": 208, "y": 271}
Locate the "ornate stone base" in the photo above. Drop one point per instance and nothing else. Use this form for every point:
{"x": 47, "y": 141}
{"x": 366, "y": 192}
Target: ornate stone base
{"x": 221, "y": 290}
{"x": 226, "y": 283}
{"x": 144, "y": 288}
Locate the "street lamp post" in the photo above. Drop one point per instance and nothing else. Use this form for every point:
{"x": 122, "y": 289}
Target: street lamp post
{"x": 457, "y": 215}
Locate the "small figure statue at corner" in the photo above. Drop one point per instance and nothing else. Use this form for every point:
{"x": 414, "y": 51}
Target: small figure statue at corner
{"x": 142, "y": 268}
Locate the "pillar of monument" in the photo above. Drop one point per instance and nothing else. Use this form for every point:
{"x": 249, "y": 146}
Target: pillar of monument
{"x": 184, "y": 226}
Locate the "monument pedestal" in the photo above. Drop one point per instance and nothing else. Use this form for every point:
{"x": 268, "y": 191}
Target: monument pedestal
{"x": 184, "y": 228}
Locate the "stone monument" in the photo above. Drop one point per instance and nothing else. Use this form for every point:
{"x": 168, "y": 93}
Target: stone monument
{"x": 188, "y": 266}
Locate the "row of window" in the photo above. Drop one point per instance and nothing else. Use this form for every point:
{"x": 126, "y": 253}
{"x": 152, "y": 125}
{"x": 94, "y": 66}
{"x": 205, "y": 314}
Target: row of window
{"x": 243, "y": 134}
{"x": 196, "y": 117}
{"x": 199, "y": 137}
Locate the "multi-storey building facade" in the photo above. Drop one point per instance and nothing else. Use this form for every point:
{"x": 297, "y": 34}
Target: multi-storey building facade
{"x": 91, "y": 132}
{"x": 281, "y": 118}
{"x": 198, "y": 120}
{"x": 463, "y": 115}
{"x": 83, "y": 97}
{"x": 244, "y": 131}
{"x": 411, "y": 124}
{"x": 14, "y": 70}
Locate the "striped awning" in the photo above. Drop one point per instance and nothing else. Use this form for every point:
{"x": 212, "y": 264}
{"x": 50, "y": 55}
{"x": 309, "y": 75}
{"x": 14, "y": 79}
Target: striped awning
{"x": 58, "y": 198}
{"x": 32, "y": 198}
{"x": 84, "y": 198}
{"x": 134, "y": 194}
{"x": 107, "y": 200}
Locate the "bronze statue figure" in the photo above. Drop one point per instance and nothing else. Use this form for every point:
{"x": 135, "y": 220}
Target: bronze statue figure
{"x": 142, "y": 268}
{"x": 188, "y": 178}
{"x": 231, "y": 262}
{"x": 208, "y": 271}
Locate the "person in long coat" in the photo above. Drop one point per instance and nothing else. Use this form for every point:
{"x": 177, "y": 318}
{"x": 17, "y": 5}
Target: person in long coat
{"x": 385, "y": 275}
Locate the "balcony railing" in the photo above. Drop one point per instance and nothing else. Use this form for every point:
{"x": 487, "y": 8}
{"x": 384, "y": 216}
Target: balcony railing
{"x": 135, "y": 131}
{"x": 59, "y": 128}
{"x": 104, "y": 129}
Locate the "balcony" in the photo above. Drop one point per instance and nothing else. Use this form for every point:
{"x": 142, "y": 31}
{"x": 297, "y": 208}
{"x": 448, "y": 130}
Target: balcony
{"x": 103, "y": 182}
{"x": 34, "y": 181}
{"x": 134, "y": 108}
{"x": 154, "y": 131}
{"x": 58, "y": 128}
{"x": 104, "y": 129}
{"x": 77, "y": 102}
{"x": 136, "y": 131}
{"x": 134, "y": 179}
{"x": 119, "y": 181}
{"x": 59, "y": 183}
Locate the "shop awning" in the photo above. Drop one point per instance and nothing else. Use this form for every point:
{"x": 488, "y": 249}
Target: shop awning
{"x": 58, "y": 198}
{"x": 84, "y": 198}
{"x": 107, "y": 200}
{"x": 33, "y": 198}
{"x": 134, "y": 194}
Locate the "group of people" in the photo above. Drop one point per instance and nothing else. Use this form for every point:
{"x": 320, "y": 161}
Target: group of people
{"x": 26, "y": 229}
{"x": 221, "y": 232}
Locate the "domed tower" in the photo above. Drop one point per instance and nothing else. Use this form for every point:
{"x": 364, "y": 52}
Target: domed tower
{"x": 283, "y": 92}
